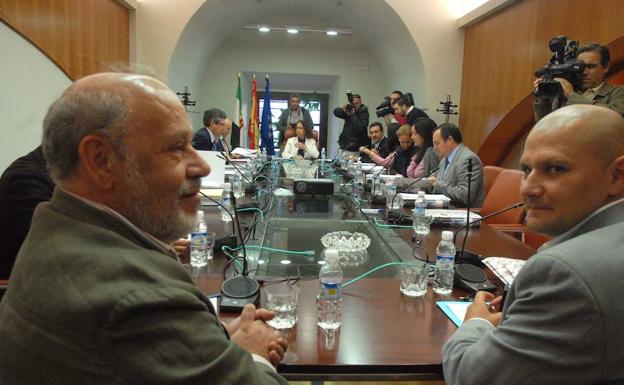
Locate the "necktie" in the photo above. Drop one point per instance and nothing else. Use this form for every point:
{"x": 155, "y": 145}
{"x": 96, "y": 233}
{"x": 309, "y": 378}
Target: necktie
{"x": 446, "y": 166}
{"x": 217, "y": 146}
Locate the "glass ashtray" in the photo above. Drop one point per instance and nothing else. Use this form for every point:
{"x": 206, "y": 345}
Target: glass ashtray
{"x": 351, "y": 246}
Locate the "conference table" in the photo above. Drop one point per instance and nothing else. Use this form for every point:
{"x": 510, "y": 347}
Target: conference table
{"x": 384, "y": 335}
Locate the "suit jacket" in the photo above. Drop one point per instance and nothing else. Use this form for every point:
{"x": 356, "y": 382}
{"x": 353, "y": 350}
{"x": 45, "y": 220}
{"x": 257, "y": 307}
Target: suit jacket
{"x": 290, "y": 150}
{"x": 414, "y": 114}
{"x": 23, "y": 185}
{"x": 382, "y": 148}
{"x": 203, "y": 141}
{"x": 563, "y": 317}
{"x": 94, "y": 301}
{"x": 609, "y": 95}
{"x": 455, "y": 184}
{"x": 355, "y": 129}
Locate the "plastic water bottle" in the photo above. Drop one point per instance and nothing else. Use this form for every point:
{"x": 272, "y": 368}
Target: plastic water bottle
{"x": 227, "y": 203}
{"x": 199, "y": 242}
{"x": 329, "y": 298}
{"x": 392, "y": 203}
{"x": 237, "y": 186}
{"x": 421, "y": 222}
{"x": 323, "y": 160}
{"x": 445, "y": 259}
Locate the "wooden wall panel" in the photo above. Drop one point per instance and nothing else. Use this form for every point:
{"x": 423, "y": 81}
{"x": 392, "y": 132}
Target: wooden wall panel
{"x": 80, "y": 36}
{"x": 502, "y": 52}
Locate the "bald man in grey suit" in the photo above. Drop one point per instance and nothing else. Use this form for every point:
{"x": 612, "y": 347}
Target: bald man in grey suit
{"x": 563, "y": 321}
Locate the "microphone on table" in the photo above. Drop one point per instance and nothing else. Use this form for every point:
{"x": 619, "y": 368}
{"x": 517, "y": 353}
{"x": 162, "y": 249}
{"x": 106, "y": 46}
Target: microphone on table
{"x": 404, "y": 188}
{"x": 224, "y": 157}
{"x": 239, "y": 290}
{"x": 468, "y": 276}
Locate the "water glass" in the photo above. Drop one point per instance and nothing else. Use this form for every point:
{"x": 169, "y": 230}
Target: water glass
{"x": 202, "y": 249}
{"x": 281, "y": 298}
{"x": 414, "y": 278}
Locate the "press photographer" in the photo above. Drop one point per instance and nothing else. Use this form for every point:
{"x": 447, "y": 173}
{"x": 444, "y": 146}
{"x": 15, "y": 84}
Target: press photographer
{"x": 354, "y": 132}
{"x": 575, "y": 76}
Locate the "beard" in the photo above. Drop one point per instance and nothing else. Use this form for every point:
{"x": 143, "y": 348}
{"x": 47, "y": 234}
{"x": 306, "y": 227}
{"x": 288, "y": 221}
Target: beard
{"x": 154, "y": 213}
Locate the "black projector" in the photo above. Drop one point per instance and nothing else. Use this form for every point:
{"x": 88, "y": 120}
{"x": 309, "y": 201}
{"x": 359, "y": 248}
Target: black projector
{"x": 313, "y": 187}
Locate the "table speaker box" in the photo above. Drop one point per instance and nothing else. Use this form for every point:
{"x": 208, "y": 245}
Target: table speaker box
{"x": 314, "y": 187}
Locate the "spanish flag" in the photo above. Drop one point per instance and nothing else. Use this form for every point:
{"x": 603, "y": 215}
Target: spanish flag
{"x": 252, "y": 129}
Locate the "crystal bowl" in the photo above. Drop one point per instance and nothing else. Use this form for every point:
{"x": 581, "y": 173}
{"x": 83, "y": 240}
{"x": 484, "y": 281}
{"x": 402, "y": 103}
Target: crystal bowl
{"x": 351, "y": 246}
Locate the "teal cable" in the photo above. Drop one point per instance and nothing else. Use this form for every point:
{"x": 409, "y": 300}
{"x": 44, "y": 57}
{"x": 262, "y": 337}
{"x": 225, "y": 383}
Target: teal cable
{"x": 305, "y": 252}
{"x": 376, "y": 223}
{"x": 371, "y": 271}
{"x": 252, "y": 209}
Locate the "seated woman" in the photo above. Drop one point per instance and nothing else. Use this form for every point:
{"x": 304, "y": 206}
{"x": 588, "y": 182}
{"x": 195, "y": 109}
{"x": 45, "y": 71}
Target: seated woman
{"x": 301, "y": 146}
{"x": 425, "y": 160}
{"x": 399, "y": 159}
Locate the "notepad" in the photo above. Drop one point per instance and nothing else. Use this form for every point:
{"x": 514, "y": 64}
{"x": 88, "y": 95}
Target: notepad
{"x": 455, "y": 310}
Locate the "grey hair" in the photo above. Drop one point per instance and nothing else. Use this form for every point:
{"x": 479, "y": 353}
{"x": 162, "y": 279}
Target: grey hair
{"x": 76, "y": 115}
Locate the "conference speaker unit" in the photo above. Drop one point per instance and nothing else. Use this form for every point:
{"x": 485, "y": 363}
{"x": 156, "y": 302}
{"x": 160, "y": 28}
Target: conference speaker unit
{"x": 313, "y": 187}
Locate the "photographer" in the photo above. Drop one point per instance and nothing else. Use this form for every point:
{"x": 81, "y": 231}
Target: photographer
{"x": 405, "y": 107}
{"x": 355, "y": 115}
{"x": 592, "y": 87}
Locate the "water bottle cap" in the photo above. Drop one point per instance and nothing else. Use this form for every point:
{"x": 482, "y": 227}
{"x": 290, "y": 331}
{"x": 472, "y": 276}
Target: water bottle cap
{"x": 447, "y": 235}
{"x": 331, "y": 255}
{"x": 421, "y": 193}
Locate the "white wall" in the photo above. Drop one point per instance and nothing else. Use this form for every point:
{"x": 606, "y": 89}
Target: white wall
{"x": 30, "y": 82}
{"x": 220, "y": 74}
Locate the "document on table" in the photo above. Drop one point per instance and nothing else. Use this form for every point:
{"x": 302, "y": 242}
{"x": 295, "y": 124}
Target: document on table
{"x": 455, "y": 310}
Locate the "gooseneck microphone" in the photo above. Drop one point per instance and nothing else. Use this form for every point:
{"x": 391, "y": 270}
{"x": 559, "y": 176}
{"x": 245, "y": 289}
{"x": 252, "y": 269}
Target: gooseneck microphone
{"x": 468, "y": 276}
{"x": 473, "y": 258}
{"x": 224, "y": 157}
{"x": 242, "y": 289}
{"x": 461, "y": 254}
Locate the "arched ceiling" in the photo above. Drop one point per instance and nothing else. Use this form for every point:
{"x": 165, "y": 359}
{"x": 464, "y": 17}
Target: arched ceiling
{"x": 375, "y": 25}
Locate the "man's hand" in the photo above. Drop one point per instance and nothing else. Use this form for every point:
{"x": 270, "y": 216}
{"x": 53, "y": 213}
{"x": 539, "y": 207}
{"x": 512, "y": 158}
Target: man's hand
{"x": 566, "y": 86}
{"x": 485, "y": 306}
{"x": 250, "y": 332}
{"x": 180, "y": 246}
{"x": 432, "y": 180}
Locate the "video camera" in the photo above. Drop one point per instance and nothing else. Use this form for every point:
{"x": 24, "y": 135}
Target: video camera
{"x": 385, "y": 108}
{"x": 562, "y": 64}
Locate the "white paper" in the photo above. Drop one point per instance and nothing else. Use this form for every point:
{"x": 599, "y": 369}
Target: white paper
{"x": 244, "y": 151}
{"x": 216, "y": 178}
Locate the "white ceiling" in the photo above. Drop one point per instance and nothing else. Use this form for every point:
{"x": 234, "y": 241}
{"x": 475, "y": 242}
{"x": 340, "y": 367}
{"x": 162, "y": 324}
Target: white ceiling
{"x": 376, "y": 28}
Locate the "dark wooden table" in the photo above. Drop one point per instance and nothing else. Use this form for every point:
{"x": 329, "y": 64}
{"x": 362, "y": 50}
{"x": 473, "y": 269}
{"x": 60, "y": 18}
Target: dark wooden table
{"x": 384, "y": 334}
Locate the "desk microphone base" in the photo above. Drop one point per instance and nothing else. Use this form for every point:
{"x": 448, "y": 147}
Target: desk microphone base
{"x": 237, "y": 292}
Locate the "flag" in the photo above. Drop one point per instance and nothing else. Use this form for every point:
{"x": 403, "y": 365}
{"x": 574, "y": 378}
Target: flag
{"x": 238, "y": 110}
{"x": 252, "y": 129}
{"x": 267, "y": 128}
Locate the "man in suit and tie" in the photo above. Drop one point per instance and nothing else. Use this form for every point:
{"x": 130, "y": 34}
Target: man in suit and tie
{"x": 452, "y": 178}
{"x": 563, "y": 317}
{"x": 210, "y": 137}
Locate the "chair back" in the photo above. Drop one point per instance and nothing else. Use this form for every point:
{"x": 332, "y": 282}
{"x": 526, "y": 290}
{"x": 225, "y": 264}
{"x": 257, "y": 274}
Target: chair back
{"x": 505, "y": 191}
{"x": 490, "y": 173}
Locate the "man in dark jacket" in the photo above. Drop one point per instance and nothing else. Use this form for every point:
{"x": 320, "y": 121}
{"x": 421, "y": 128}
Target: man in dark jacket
{"x": 291, "y": 116}
{"x": 378, "y": 143}
{"x": 354, "y": 134}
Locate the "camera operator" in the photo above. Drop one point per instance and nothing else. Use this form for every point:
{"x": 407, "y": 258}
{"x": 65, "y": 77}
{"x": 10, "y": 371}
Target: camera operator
{"x": 592, "y": 89}
{"x": 354, "y": 133}
{"x": 394, "y": 117}
{"x": 405, "y": 107}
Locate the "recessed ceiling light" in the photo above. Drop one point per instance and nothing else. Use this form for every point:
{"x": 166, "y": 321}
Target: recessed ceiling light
{"x": 292, "y": 30}
{"x": 331, "y": 33}
{"x": 264, "y": 29}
